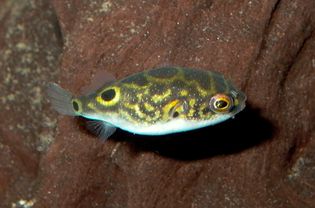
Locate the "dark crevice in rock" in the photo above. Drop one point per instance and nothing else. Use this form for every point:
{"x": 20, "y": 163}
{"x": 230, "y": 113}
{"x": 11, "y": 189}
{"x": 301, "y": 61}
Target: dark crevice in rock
{"x": 267, "y": 29}
{"x": 293, "y": 60}
{"x": 263, "y": 41}
{"x": 291, "y": 153}
{"x": 58, "y": 31}
{"x": 272, "y": 15}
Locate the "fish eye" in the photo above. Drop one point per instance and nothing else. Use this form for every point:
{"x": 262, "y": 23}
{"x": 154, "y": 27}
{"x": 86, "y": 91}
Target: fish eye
{"x": 76, "y": 105}
{"x": 221, "y": 103}
{"x": 108, "y": 95}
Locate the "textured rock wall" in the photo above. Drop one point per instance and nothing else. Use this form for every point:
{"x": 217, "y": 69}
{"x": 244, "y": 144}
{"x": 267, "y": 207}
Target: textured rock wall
{"x": 265, "y": 157}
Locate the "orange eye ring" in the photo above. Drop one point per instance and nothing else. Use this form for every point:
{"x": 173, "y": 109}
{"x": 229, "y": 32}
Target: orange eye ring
{"x": 221, "y": 103}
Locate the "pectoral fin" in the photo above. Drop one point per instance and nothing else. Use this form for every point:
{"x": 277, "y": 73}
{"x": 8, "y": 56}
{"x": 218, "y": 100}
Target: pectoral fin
{"x": 100, "y": 128}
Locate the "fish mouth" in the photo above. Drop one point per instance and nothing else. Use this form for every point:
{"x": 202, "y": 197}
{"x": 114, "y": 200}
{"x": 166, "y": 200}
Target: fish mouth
{"x": 241, "y": 99}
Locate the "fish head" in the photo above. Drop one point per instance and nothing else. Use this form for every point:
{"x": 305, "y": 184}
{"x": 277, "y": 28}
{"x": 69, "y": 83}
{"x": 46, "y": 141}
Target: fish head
{"x": 228, "y": 104}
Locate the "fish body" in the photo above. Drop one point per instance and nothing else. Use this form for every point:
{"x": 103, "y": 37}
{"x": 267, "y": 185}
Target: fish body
{"x": 155, "y": 102}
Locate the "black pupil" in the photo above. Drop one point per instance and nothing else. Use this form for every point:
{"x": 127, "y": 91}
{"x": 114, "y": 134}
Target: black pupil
{"x": 108, "y": 95}
{"x": 75, "y": 105}
{"x": 176, "y": 114}
{"x": 221, "y": 104}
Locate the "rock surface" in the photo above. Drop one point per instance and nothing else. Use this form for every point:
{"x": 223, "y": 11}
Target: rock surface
{"x": 265, "y": 157}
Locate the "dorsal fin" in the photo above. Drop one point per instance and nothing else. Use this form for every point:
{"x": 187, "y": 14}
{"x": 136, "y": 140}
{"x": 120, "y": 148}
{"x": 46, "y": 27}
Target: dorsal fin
{"x": 100, "y": 79}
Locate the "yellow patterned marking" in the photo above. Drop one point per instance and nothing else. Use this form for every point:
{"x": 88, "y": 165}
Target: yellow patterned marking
{"x": 148, "y": 107}
{"x": 139, "y": 112}
{"x": 139, "y": 96}
{"x": 91, "y": 106}
{"x": 111, "y": 102}
{"x": 136, "y": 109}
{"x": 135, "y": 86}
{"x": 201, "y": 91}
{"x": 158, "y": 98}
{"x": 166, "y": 109}
{"x": 157, "y": 114}
{"x": 192, "y": 103}
{"x": 183, "y": 93}
{"x": 146, "y": 91}
{"x": 127, "y": 116}
{"x": 191, "y": 112}
{"x": 201, "y": 107}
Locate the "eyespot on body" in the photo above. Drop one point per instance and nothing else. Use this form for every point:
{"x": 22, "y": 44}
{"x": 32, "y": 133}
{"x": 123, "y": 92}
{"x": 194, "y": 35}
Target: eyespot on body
{"x": 77, "y": 106}
{"x": 221, "y": 103}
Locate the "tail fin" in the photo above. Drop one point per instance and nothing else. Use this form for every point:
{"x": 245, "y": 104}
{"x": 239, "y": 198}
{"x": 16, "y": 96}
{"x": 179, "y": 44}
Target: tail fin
{"x": 60, "y": 99}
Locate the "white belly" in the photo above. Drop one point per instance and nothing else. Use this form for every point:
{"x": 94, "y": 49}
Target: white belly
{"x": 173, "y": 126}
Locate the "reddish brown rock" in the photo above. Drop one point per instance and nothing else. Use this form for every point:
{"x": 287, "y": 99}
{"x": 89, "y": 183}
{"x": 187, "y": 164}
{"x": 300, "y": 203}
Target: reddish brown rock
{"x": 30, "y": 44}
{"x": 265, "y": 157}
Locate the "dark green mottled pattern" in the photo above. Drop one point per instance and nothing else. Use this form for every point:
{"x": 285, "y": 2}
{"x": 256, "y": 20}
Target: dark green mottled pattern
{"x": 139, "y": 90}
{"x": 154, "y": 95}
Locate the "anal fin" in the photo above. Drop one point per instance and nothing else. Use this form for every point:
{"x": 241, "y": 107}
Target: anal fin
{"x": 101, "y": 129}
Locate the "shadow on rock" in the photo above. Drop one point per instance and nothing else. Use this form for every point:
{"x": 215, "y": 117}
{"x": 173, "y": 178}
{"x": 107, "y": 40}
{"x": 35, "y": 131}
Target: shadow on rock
{"x": 245, "y": 131}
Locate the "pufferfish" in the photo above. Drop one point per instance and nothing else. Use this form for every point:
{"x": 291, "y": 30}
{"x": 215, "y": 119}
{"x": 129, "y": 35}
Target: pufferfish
{"x": 154, "y": 102}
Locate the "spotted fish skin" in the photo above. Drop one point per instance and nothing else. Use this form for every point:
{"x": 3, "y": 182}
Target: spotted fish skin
{"x": 162, "y": 101}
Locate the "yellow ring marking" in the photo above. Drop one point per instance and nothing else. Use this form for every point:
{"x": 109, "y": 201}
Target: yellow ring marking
{"x": 222, "y": 97}
{"x": 174, "y": 106}
{"x": 110, "y": 102}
